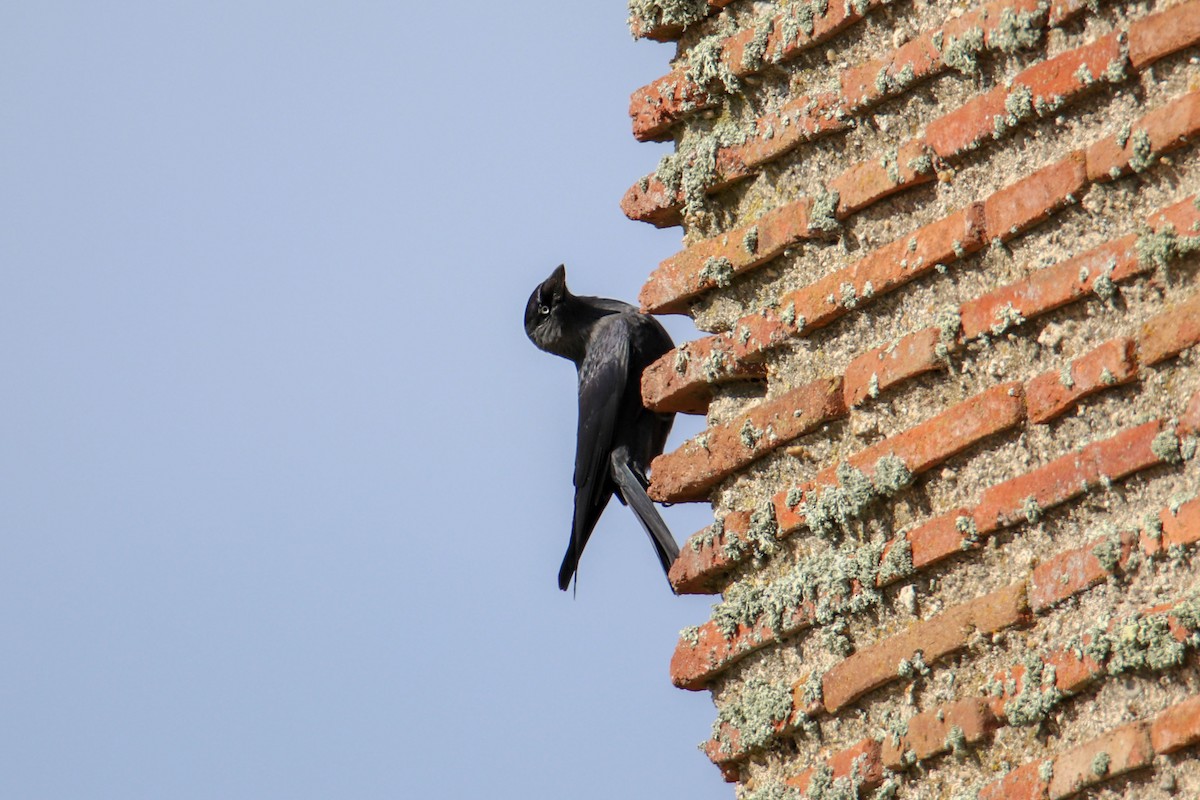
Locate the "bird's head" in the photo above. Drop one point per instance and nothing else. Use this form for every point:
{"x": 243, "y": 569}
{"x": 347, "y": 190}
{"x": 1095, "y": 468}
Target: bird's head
{"x": 545, "y": 315}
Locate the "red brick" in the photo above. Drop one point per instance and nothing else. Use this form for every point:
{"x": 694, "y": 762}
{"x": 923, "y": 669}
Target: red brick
{"x": 1072, "y": 671}
{"x": 1171, "y": 332}
{"x": 656, "y": 106}
{"x": 1127, "y": 747}
{"x": 861, "y": 84}
{"x": 693, "y": 665}
{"x": 1158, "y": 35}
{"x": 1031, "y": 200}
{"x": 700, "y": 559}
{"x": 1183, "y": 217}
{"x": 889, "y": 266}
{"x": 665, "y": 33}
{"x": 869, "y": 181}
{"x": 1066, "y": 477}
{"x": 1111, "y": 364}
{"x": 882, "y": 368}
{"x": 1060, "y": 77}
{"x": 677, "y": 278}
{"x": 788, "y": 518}
{"x": 1189, "y": 423}
{"x": 936, "y": 638}
{"x": 928, "y": 731}
{"x": 1063, "y": 10}
{"x": 1053, "y": 286}
{"x": 1168, "y": 127}
{"x": 1023, "y": 783}
{"x": 650, "y": 201}
{"x": 931, "y": 442}
{"x": 810, "y": 115}
{"x": 675, "y": 383}
{"x": 952, "y": 134}
{"x": 862, "y": 760}
{"x": 941, "y": 537}
{"x": 1181, "y": 526}
{"x": 1069, "y": 573}
{"x": 655, "y": 111}
{"x": 683, "y": 383}
{"x": 1176, "y": 727}
{"x": 696, "y": 467}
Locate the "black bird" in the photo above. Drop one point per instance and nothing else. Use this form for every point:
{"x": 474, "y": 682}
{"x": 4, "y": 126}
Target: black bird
{"x": 611, "y": 343}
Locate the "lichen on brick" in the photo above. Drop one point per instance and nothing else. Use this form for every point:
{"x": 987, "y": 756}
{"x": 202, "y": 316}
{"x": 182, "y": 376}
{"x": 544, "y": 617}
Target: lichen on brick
{"x": 1046, "y": 770}
{"x": 756, "y": 49}
{"x": 891, "y": 475}
{"x": 921, "y": 164}
{"x": 1187, "y": 447}
{"x": 1122, "y": 135}
{"x": 691, "y": 169}
{"x": 1018, "y": 106}
{"x": 1161, "y": 248}
{"x": 897, "y": 562}
{"x": 949, "y": 324}
{"x": 710, "y": 535}
{"x": 690, "y": 635}
{"x": 682, "y": 357}
{"x": 822, "y": 215}
{"x": 1142, "y": 157}
{"x": 1065, "y": 377}
{"x": 1166, "y": 446}
{"x": 772, "y": 790}
{"x": 1038, "y": 695}
{"x": 888, "y": 162}
{"x": 794, "y": 497}
{"x": 1140, "y": 643}
{"x": 749, "y": 434}
{"x": 888, "y": 83}
{"x": 1104, "y": 287}
{"x": 1031, "y": 510}
{"x": 835, "y": 640}
{"x": 873, "y": 385}
{"x": 956, "y": 741}
{"x": 1017, "y": 31}
{"x": 960, "y": 51}
{"x": 828, "y": 511}
{"x": 849, "y": 296}
{"x": 649, "y": 14}
{"x": 1101, "y": 763}
{"x": 1116, "y": 71}
{"x": 713, "y": 367}
{"x": 707, "y": 69}
{"x": 970, "y": 532}
{"x": 760, "y": 707}
{"x": 1006, "y": 317}
{"x": 823, "y": 786}
{"x": 750, "y": 240}
{"x": 1108, "y": 552}
{"x": 762, "y": 535}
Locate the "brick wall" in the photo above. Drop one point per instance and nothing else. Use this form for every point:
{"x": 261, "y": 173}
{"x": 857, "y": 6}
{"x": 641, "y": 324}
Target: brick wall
{"x": 945, "y": 255}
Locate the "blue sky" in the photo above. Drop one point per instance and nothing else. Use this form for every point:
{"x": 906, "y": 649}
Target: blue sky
{"x": 283, "y": 486}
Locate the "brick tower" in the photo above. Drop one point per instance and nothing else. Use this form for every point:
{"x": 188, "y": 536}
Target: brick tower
{"x": 945, "y": 253}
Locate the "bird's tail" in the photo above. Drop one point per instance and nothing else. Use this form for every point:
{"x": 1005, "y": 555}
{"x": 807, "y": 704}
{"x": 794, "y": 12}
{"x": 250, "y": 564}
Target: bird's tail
{"x": 632, "y": 488}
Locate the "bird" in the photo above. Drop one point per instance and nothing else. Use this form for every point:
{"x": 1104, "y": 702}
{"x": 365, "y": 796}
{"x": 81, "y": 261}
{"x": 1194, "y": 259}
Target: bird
{"x": 610, "y": 343}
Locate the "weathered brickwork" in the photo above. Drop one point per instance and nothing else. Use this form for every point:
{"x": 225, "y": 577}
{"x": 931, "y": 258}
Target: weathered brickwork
{"x": 945, "y": 255}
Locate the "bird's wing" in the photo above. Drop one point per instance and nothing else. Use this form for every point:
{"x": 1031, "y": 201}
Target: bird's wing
{"x": 602, "y": 377}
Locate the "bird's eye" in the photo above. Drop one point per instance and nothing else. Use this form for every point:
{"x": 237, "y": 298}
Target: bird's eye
{"x": 543, "y": 310}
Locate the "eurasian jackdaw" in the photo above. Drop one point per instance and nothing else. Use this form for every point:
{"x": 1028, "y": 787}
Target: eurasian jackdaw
{"x": 611, "y": 343}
